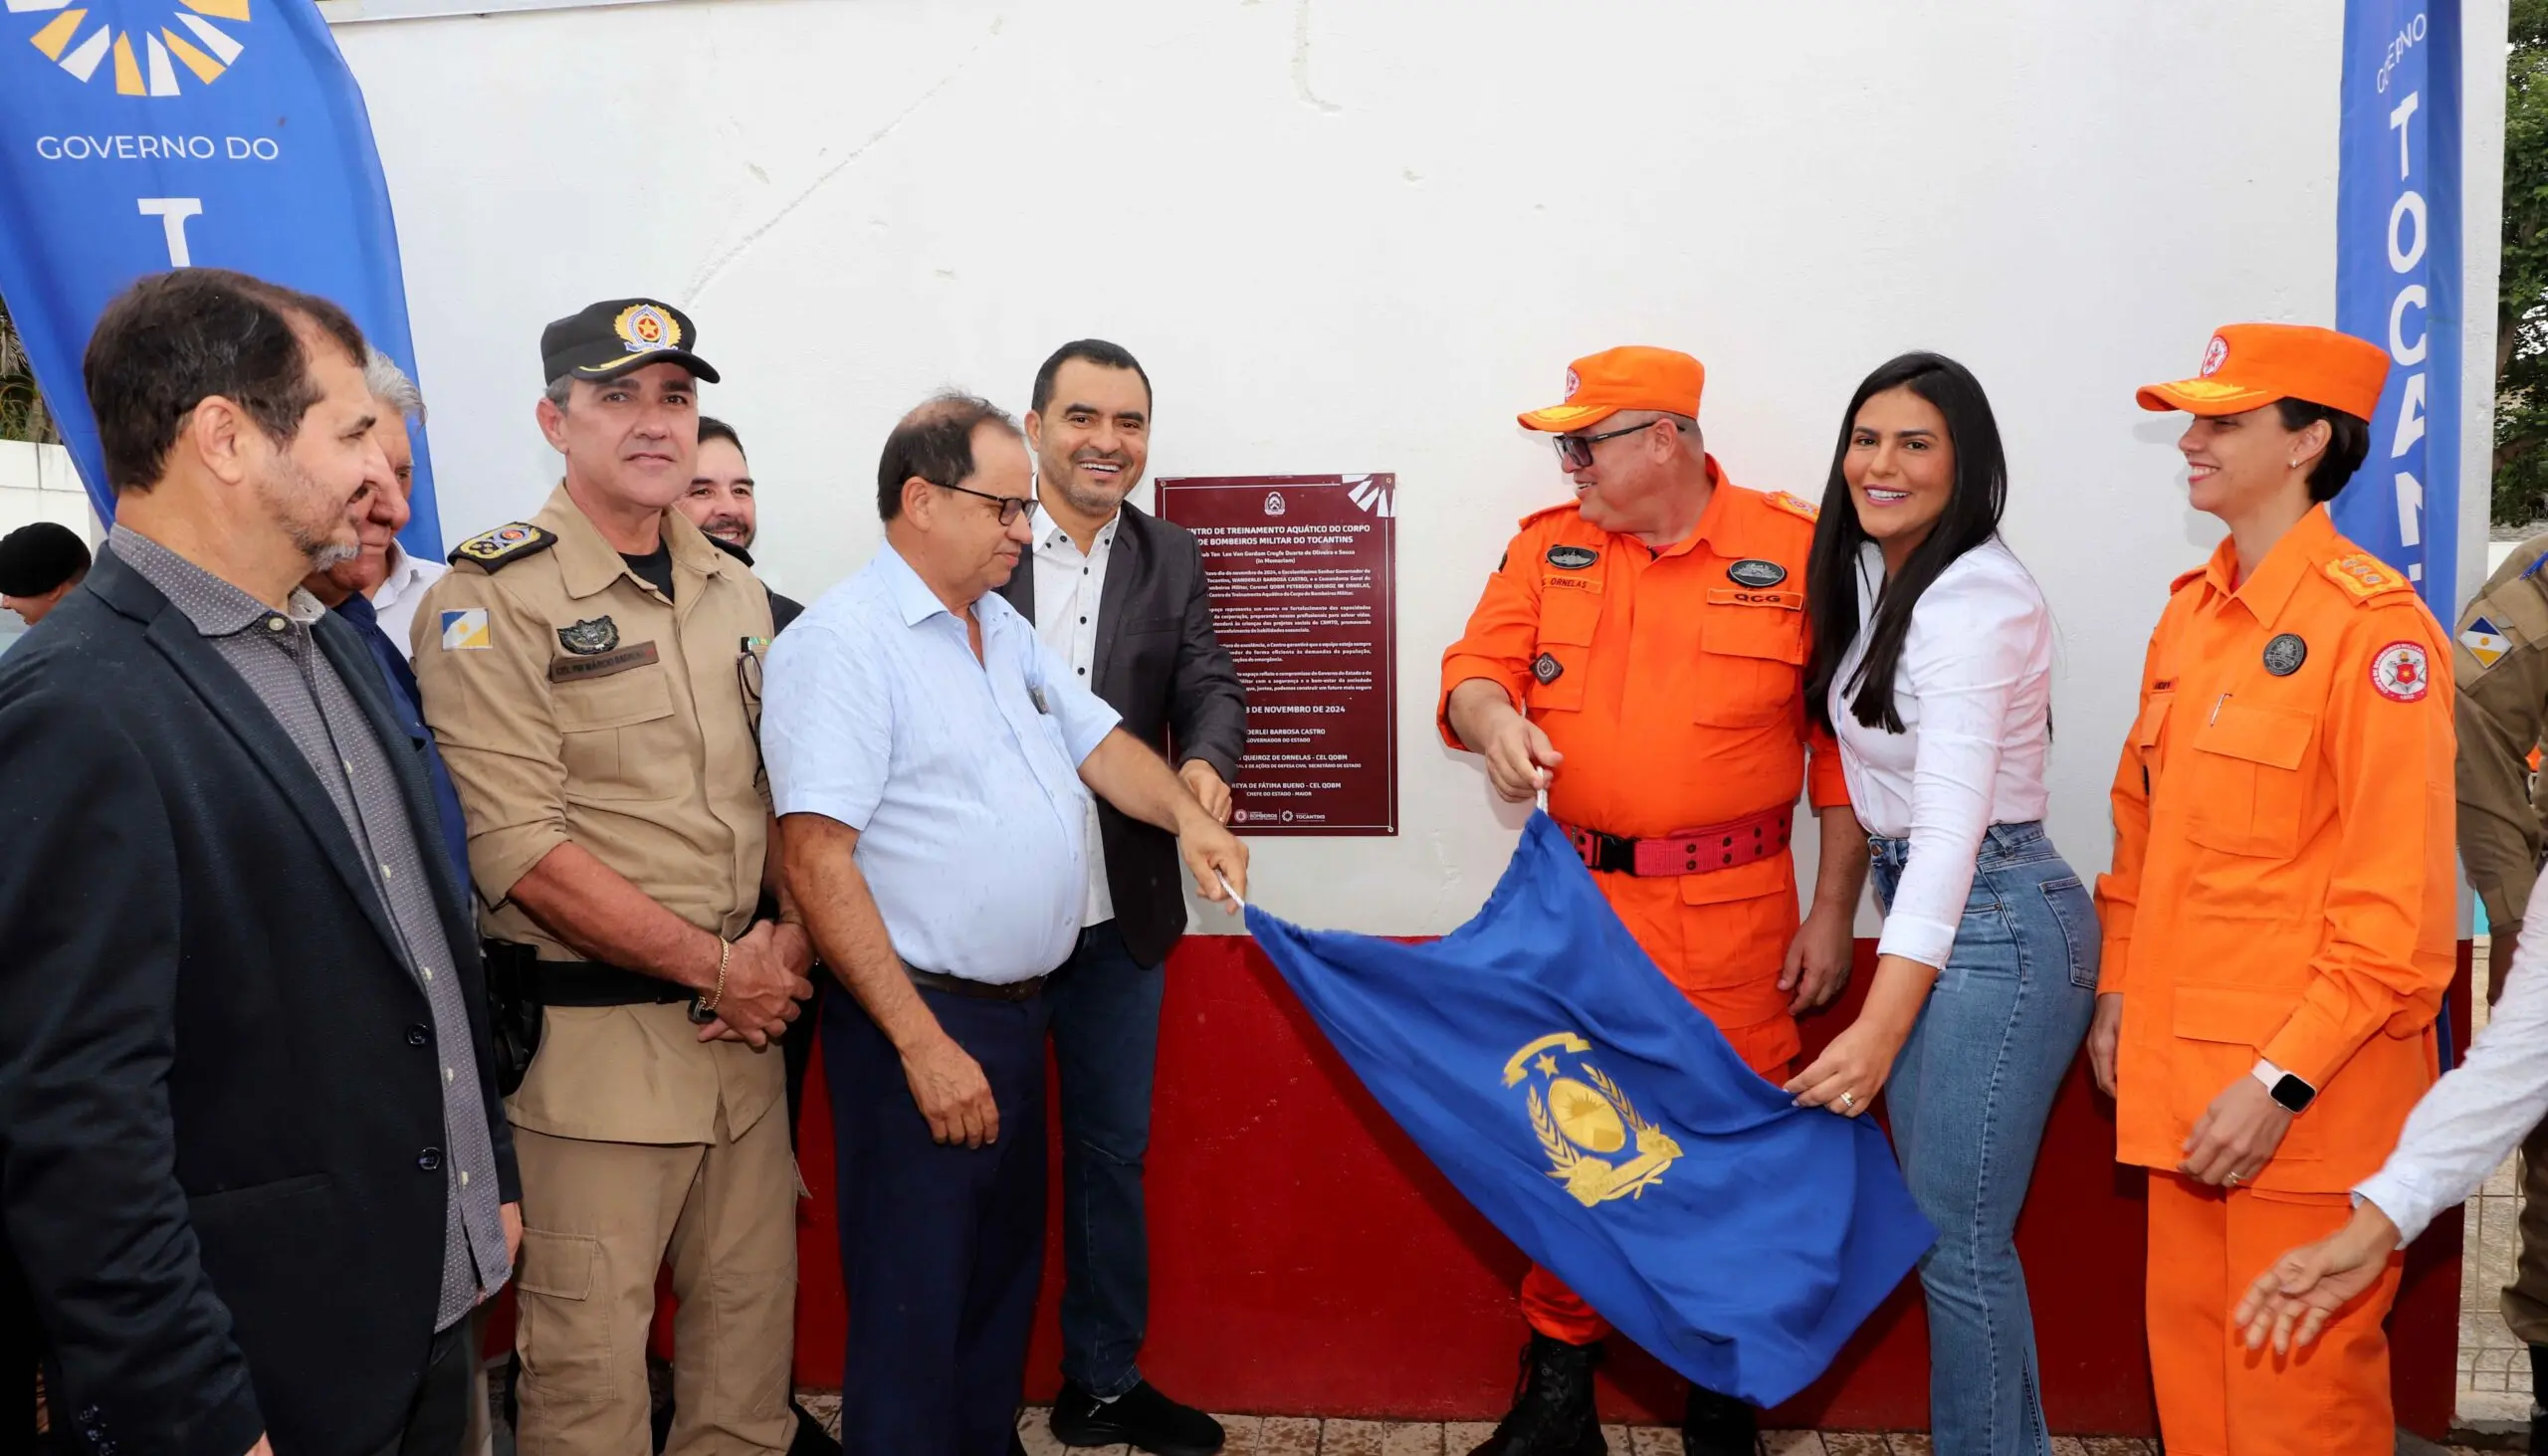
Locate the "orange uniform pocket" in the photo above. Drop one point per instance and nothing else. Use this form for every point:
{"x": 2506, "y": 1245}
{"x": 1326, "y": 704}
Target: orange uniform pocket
{"x": 1562, "y": 664}
{"x": 2243, "y": 781}
{"x": 2234, "y": 1024}
{"x": 2147, "y": 729}
{"x": 1752, "y": 658}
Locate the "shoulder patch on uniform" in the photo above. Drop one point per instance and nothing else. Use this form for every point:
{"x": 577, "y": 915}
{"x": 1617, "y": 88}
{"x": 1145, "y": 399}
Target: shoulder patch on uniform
{"x": 2365, "y": 577}
{"x": 2186, "y": 579}
{"x": 504, "y": 545}
{"x": 1780, "y": 499}
{"x": 2485, "y": 640}
{"x": 2400, "y": 673}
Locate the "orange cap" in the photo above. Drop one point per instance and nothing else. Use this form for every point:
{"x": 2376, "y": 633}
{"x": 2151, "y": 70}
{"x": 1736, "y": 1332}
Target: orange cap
{"x": 2250, "y": 366}
{"x": 1601, "y": 385}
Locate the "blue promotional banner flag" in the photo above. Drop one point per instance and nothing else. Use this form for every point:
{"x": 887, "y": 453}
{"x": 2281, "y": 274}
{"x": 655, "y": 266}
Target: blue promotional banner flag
{"x": 2397, "y": 220}
{"x": 139, "y": 135}
{"x": 1580, "y": 1101}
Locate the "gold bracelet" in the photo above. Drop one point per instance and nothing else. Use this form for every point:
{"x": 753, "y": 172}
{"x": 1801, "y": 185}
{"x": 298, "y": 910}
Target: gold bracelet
{"x": 725, "y": 956}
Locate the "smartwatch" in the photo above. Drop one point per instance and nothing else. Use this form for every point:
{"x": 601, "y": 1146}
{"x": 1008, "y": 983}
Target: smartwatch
{"x": 2288, "y": 1092}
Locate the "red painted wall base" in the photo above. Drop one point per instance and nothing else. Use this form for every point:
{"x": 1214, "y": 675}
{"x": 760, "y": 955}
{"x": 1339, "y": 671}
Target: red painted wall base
{"x": 1306, "y": 1258}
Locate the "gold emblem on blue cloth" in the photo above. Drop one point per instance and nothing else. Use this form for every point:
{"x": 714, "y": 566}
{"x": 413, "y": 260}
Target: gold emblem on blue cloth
{"x": 1584, "y": 1121}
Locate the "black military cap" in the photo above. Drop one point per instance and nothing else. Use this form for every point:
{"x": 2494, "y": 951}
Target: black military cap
{"x": 610, "y": 339}
{"x": 34, "y": 559}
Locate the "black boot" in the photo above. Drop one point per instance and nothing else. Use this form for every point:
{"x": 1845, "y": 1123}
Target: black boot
{"x": 1552, "y": 1412}
{"x": 1719, "y": 1425}
{"x": 2538, "y": 1399}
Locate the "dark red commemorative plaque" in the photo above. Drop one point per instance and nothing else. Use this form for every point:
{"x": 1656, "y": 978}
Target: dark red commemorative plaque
{"x": 1304, "y": 579}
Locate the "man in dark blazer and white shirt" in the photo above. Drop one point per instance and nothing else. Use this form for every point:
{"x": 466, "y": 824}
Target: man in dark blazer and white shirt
{"x": 252, "y": 1164}
{"x": 1120, "y": 596}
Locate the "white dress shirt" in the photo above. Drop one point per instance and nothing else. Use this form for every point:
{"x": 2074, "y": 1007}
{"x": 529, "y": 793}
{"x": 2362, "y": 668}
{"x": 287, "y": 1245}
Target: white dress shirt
{"x": 2478, "y": 1112}
{"x": 1069, "y": 583}
{"x": 394, "y": 600}
{"x": 1974, "y": 689}
{"x": 960, "y": 776}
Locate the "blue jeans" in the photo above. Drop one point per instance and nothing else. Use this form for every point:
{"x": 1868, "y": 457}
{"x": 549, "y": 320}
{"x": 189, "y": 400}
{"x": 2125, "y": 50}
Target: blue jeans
{"x": 1969, "y": 1096}
{"x": 1105, "y": 1008}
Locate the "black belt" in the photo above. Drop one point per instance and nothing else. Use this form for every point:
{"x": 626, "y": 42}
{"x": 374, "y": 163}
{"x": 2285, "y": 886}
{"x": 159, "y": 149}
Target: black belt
{"x": 978, "y": 990}
{"x": 590, "y": 983}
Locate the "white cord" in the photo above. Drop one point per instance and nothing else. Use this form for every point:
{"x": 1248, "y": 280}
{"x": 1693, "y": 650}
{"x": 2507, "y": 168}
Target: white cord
{"x": 1226, "y": 890}
{"x": 1544, "y": 801}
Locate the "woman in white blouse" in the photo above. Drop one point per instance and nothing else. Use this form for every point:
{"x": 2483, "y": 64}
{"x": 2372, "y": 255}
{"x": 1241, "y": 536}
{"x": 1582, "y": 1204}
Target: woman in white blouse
{"x": 1932, "y": 664}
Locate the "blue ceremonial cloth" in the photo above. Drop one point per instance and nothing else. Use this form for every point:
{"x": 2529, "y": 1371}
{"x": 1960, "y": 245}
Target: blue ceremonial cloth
{"x": 1578, "y": 1100}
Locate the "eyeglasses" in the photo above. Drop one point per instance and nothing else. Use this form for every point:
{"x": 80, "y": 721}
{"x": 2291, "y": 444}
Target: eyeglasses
{"x": 1575, "y": 452}
{"x": 748, "y": 681}
{"x": 1011, "y": 507}
{"x": 748, "y": 673}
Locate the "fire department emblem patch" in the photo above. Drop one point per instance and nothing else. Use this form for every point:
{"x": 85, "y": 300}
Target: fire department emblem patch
{"x": 2400, "y": 673}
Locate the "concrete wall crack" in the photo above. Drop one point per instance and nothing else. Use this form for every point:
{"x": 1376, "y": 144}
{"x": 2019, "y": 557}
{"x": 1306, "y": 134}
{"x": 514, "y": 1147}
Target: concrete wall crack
{"x": 1301, "y": 60}
{"x": 724, "y": 258}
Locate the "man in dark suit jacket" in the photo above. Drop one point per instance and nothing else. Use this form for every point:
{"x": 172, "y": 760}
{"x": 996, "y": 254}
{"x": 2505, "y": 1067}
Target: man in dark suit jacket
{"x": 1119, "y": 595}
{"x": 252, "y": 1162}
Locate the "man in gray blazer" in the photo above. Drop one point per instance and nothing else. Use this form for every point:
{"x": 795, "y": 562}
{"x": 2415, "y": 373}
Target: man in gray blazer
{"x": 1119, "y": 595}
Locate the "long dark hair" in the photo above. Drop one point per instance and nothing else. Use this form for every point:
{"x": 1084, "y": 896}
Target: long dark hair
{"x": 1972, "y": 515}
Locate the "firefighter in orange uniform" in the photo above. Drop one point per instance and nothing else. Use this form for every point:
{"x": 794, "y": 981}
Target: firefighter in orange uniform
{"x": 2278, "y": 922}
{"x": 1639, "y": 654}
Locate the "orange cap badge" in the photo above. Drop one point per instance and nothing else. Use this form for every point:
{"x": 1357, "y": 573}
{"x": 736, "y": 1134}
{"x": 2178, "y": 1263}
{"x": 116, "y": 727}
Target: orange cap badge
{"x": 2249, "y": 365}
{"x": 1598, "y": 386}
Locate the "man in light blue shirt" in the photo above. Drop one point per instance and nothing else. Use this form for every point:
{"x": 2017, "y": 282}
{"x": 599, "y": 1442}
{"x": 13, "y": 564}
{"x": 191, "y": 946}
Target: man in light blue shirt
{"x": 930, "y": 762}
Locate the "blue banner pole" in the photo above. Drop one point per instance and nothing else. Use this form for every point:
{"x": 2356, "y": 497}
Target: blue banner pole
{"x": 2398, "y": 284}
{"x": 139, "y": 135}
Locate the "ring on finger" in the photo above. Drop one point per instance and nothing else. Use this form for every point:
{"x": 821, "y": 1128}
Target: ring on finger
{"x": 1848, "y": 1099}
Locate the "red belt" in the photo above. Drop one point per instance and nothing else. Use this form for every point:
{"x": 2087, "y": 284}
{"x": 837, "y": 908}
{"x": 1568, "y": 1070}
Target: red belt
{"x": 1687, "y": 851}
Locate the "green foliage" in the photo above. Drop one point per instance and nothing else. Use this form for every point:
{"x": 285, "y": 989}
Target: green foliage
{"x": 22, "y": 412}
{"x": 2521, "y": 323}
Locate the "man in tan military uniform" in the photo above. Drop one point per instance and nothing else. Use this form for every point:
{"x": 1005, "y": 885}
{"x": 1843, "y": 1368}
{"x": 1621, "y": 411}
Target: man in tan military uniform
{"x": 592, "y": 676}
{"x": 2501, "y": 659}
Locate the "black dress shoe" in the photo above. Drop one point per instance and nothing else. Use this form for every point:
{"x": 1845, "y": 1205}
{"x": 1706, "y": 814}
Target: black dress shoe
{"x": 1141, "y": 1418}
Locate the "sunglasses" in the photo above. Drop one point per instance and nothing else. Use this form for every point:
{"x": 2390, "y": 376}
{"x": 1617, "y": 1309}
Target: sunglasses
{"x": 1575, "y": 452}
{"x": 1011, "y": 507}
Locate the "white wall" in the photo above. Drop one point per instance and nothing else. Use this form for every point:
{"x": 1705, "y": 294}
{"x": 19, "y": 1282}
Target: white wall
{"x": 37, "y": 482}
{"x": 1357, "y": 237}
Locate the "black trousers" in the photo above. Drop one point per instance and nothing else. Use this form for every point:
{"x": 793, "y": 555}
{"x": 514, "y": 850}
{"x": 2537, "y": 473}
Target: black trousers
{"x": 941, "y": 1247}
{"x": 438, "y": 1422}
{"x": 796, "y": 1049}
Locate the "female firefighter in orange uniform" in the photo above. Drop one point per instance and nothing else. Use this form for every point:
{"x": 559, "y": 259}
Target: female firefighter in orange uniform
{"x": 2279, "y": 917}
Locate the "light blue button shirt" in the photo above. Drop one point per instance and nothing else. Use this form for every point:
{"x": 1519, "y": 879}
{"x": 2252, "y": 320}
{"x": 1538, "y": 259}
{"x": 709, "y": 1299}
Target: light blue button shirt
{"x": 961, "y": 777}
